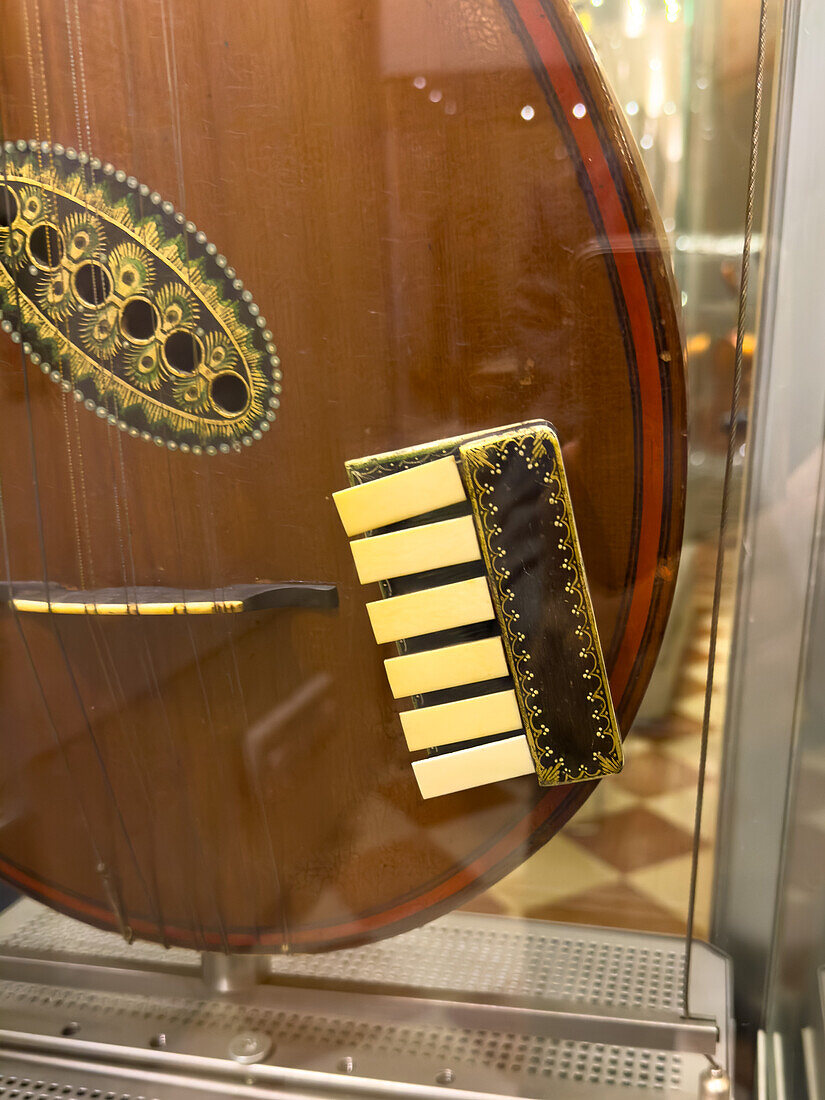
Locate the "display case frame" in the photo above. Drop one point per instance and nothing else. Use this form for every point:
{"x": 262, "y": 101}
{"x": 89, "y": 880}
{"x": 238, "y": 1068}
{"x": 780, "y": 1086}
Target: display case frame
{"x": 470, "y": 1005}
{"x": 617, "y": 1020}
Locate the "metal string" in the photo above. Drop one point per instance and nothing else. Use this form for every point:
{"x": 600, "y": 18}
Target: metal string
{"x": 123, "y": 921}
{"x": 150, "y": 671}
{"x": 99, "y": 640}
{"x": 173, "y": 97}
{"x": 83, "y": 122}
{"x": 101, "y": 867}
{"x": 111, "y": 891}
{"x": 117, "y": 709}
{"x": 192, "y": 818}
{"x": 236, "y": 679}
{"x": 168, "y": 29}
{"x": 723, "y": 515}
{"x": 119, "y": 494}
{"x": 147, "y": 662}
{"x": 51, "y": 199}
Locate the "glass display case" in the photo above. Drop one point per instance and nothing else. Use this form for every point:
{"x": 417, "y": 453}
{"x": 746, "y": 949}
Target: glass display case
{"x": 410, "y": 529}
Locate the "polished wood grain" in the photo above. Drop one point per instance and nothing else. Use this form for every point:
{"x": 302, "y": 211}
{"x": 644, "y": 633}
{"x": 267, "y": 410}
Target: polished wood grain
{"x": 431, "y": 263}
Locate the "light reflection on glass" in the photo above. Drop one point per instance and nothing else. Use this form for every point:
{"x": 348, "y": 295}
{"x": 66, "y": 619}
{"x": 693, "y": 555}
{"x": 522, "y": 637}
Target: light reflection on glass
{"x": 674, "y": 146}
{"x": 672, "y": 10}
{"x": 579, "y": 110}
{"x": 527, "y": 112}
{"x": 655, "y": 94}
{"x": 634, "y": 18}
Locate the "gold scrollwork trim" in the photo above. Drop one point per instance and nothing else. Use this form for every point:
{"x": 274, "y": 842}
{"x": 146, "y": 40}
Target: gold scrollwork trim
{"x": 84, "y": 346}
{"x": 543, "y": 444}
{"x": 94, "y": 204}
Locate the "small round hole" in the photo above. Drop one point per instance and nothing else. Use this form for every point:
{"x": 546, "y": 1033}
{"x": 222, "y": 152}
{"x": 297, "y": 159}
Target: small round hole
{"x": 70, "y": 1029}
{"x": 93, "y": 283}
{"x": 183, "y": 352}
{"x": 138, "y": 319}
{"x": 8, "y": 208}
{"x": 229, "y": 392}
{"x": 46, "y": 246}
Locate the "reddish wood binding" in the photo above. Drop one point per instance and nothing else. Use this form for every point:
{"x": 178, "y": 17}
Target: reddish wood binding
{"x": 430, "y": 261}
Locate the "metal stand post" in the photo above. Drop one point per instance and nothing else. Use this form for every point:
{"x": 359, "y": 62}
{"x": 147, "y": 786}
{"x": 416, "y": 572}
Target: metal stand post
{"x": 472, "y": 1005}
{"x": 233, "y": 973}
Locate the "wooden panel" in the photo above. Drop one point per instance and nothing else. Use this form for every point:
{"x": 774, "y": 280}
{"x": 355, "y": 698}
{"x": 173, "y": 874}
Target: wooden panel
{"x": 427, "y": 269}
{"x": 458, "y": 771}
{"x": 464, "y": 720}
{"x": 431, "y": 546}
{"x": 435, "y": 669}
{"x": 400, "y": 496}
{"x": 432, "y": 609}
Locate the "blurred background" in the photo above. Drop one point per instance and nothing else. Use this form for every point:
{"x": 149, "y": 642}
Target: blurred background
{"x": 683, "y": 75}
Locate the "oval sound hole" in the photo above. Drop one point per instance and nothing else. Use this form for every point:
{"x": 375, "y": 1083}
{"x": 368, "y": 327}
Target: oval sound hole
{"x": 8, "y": 208}
{"x": 183, "y": 351}
{"x": 46, "y": 246}
{"x": 138, "y": 319}
{"x": 93, "y": 283}
{"x": 230, "y": 393}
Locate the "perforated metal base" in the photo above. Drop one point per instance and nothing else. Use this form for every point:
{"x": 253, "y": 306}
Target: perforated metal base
{"x": 468, "y": 1004}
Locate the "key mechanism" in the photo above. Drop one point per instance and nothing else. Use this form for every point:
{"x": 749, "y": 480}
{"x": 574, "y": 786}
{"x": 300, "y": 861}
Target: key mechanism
{"x": 474, "y": 544}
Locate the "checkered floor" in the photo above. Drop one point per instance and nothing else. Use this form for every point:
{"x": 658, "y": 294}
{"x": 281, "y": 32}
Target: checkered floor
{"x": 624, "y": 859}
